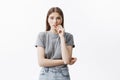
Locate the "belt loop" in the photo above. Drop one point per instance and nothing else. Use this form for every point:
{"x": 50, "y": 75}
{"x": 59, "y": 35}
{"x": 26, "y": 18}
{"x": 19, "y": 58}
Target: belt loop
{"x": 46, "y": 69}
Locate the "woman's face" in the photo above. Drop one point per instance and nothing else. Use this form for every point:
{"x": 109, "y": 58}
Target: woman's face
{"x": 54, "y": 20}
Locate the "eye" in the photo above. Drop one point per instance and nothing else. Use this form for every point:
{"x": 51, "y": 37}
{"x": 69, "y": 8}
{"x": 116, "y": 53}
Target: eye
{"x": 58, "y": 18}
{"x": 51, "y": 17}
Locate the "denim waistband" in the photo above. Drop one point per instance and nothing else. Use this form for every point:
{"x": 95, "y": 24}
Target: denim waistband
{"x": 54, "y": 69}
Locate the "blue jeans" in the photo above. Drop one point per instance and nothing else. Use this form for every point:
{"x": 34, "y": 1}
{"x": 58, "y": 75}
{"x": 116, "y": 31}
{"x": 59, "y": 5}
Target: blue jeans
{"x": 54, "y": 73}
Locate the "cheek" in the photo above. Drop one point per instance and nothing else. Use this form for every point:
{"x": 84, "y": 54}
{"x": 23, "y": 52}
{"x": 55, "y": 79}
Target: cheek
{"x": 49, "y": 21}
{"x": 60, "y": 22}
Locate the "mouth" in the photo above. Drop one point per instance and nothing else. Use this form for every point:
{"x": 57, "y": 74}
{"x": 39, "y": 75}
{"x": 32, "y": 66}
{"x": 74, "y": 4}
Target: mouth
{"x": 55, "y": 26}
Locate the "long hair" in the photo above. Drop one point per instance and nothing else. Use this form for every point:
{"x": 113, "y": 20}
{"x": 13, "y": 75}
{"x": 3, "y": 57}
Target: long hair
{"x": 51, "y": 10}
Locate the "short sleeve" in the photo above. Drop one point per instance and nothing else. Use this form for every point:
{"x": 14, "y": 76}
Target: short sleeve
{"x": 70, "y": 40}
{"x": 40, "y": 40}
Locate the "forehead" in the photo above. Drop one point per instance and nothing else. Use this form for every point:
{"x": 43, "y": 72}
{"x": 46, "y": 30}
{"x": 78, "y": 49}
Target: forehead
{"x": 55, "y": 14}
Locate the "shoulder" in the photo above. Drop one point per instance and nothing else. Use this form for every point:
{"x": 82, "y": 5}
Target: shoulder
{"x": 67, "y": 34}
{"x": 41, "y": 34}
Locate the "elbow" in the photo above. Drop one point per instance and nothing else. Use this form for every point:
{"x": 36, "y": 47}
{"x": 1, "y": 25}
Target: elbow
{"x": 67, "y": 62}
{"x": 41, "y": 63}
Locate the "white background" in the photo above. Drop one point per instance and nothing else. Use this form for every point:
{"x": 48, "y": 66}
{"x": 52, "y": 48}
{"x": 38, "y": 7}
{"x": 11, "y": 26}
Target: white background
{"x": 95, "y": 25}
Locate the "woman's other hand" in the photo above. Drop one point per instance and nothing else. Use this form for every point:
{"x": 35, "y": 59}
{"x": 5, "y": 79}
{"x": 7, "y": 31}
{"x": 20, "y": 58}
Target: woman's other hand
{"x": 73, "y": 60}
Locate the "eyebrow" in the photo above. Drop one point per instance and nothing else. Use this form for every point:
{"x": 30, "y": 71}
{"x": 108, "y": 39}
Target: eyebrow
{"x": 56, "y": 17}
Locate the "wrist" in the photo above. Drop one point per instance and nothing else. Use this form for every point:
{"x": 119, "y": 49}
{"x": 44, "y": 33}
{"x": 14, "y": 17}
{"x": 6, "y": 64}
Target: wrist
{"x": 61, "y": 37}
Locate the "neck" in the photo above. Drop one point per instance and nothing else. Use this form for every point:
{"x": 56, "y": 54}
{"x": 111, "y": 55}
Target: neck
{"x": 53, "y": 31}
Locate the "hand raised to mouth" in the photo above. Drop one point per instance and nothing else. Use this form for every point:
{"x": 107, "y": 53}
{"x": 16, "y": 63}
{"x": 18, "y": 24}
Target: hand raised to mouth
{"x": 60, "y": 30}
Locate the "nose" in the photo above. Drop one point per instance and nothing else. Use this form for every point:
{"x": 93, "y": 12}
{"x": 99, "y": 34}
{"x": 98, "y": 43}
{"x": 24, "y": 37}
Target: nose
{"x": 55, "y": 20}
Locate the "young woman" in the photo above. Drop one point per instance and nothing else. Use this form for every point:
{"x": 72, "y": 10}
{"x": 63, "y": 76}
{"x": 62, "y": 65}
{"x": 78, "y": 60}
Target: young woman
{"x": 54, "y": 47}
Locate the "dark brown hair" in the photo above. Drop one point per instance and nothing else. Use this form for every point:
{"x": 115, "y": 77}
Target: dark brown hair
{"x": 51, "y": 10}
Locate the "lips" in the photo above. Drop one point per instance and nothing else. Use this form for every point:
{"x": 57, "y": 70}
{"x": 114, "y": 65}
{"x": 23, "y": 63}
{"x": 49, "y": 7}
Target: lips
{"x": 55, "y": 26}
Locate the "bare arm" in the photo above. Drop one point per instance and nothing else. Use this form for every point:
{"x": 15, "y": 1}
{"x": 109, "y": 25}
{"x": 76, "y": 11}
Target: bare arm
{"x": 66, "y": 51}
{"x": 47, "y": 62}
